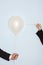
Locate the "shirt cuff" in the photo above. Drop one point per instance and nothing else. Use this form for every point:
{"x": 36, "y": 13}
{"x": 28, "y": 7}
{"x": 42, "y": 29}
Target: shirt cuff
{"x": 39, "y": 29}
{"x": 10, "y": 57}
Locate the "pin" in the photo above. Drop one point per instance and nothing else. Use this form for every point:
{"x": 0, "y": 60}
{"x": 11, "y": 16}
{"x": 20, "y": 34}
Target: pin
{"x": 30, "y": 24}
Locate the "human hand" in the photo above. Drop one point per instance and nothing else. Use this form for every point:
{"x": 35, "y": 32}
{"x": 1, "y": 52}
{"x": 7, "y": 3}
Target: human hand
{"x": 14, "y": 56}
{"x": 38, "y": 26}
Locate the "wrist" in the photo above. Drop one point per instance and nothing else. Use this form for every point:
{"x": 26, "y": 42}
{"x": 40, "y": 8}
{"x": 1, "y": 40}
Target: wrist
{"x": 39, "y": 29}
{"x": 10, "y": 57}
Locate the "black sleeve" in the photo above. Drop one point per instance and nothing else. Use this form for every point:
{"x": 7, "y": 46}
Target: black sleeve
{"x": 40, "y": 35}
{"x": 4, "y": 55}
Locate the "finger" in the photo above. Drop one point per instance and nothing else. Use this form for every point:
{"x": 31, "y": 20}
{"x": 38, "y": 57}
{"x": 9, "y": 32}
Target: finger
{"x": 16, "y": 57}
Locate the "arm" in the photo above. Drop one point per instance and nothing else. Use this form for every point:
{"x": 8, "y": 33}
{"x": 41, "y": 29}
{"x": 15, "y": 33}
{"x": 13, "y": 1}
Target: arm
{"x": 4, "y": 55}
{"x": 8, "y": 56}
{"x": 40, "y": 35}
{"x": 40, "y": 32}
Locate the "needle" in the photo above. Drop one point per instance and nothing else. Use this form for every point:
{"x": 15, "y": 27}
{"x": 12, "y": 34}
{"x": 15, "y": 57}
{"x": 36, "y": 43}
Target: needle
{"x": 30, "y": 24}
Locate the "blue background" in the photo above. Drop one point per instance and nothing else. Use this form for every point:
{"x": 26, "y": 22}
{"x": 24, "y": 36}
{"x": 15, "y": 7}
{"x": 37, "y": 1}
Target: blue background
{"x": 27, "y": 44}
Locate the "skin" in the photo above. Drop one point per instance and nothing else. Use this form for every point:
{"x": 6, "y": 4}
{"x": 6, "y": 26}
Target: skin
{"x": 38, "y": 26}
{"x": 14, "y": 56}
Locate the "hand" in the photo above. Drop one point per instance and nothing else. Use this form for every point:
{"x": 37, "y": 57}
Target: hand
{"x": 14, "y": 56}
{"x": 38, "y": 26}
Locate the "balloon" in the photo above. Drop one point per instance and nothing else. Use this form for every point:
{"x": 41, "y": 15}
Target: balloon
{"x": 15, "y": 23}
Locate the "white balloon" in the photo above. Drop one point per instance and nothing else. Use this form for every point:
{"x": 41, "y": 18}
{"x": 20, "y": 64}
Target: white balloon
{"x": 15, "y": 23}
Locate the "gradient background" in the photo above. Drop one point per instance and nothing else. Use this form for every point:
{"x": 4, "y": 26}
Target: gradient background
{"x": 27, "y": 44}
